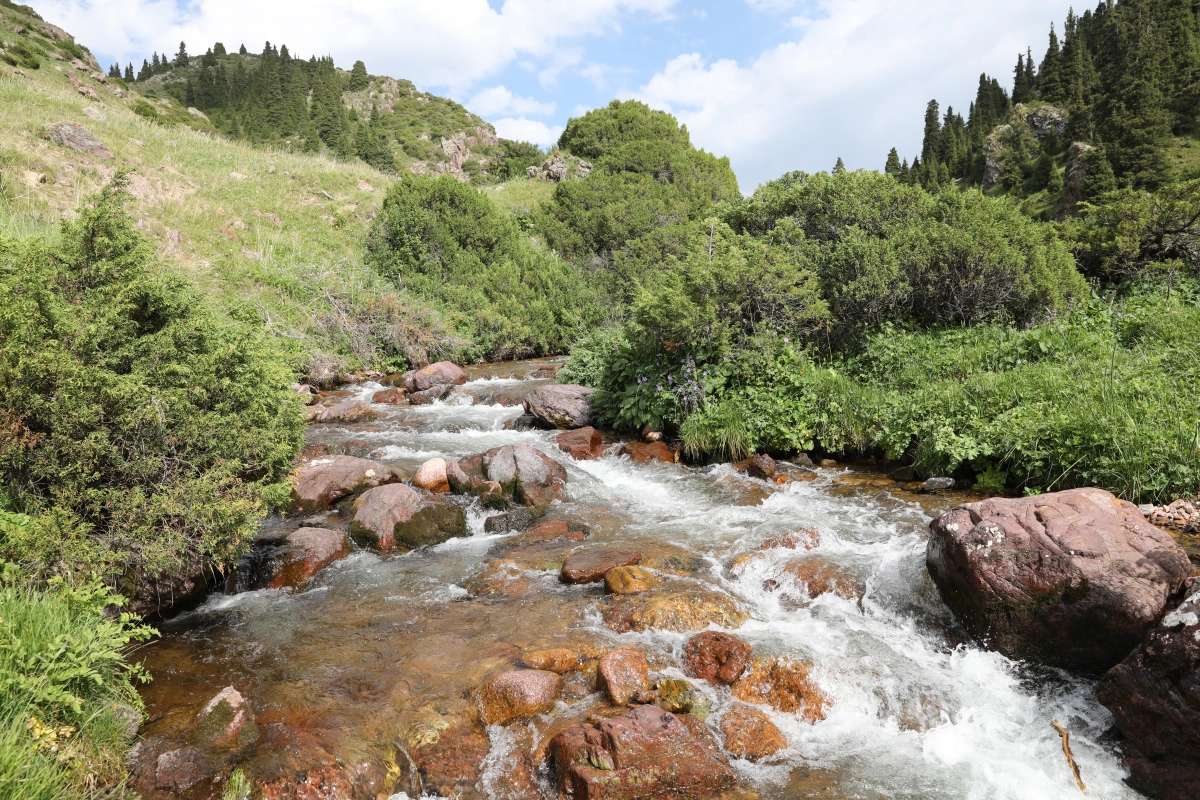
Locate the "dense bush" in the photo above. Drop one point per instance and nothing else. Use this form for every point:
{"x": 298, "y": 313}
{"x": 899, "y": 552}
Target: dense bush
{"x": 66, "y": 691}
{"x": 445, "y": 240}
{"x": 138, "y": 427}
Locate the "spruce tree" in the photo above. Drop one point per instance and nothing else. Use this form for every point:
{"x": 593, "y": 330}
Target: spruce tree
{"x": 893, "y": 166}
{"x": 840, "y": 167}
{"x": 1049, "y": 80}
{"x": 181, "y": 58}
{"x": 129, "y": 72}
{"x": 358, "y": 77}
{"x": 219, "y": 49}
{"x": 154, "y": 62}
{"x": 1022, "y": 90}
{"x": 931, "y": 143}
{"x": 242, "y": 50}
{"x": 145, "y": 74}
{"x": 114, "y": 71}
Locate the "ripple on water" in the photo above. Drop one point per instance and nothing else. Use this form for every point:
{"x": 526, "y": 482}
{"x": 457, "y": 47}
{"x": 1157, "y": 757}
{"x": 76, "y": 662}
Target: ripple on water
{"x": 375, "y": 641}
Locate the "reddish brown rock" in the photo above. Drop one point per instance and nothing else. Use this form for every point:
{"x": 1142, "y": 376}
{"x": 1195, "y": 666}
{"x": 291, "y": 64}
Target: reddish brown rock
{"x": 630, "y": 580}
{"x": 1073, "y": 579}
{"x": 526, "y": 475}
{"x": 452, "y": 765}
{"x": 819, "y": 577}
{"x": 681, "y": 611}
{"x": 427, "y": 396}
{"x": 550, "y": 530}
{"x": 336, "y": 781}
{"x": 647, "y": 753}
{"x": 750, "y": 734}
{"x": 803, "y": 539}
{"x": 560, "y": 406}
{"x": 306, "y": 552}
{"x": 397, "y": 516}
{"x": 348, "y": 412}
{"x": 519, "y": 694}
{"x": 589, "y": 566}
{"x": 716, "y": 657}
{"x": 648, "y": 452}
{"x": 443, "y": 373}
{"x": 180, "y": 770}
{"x": 761, "y": 466}
{"x": 392, "y": 396}
{"x": 623, "y": 674}
{"x": 582, "y": 444}
{"x": 1154, "y": 696}
{"x": 785, "y": 686}
{"x": 225, "y": 728}
{"x": 324, "y": 481}
{"x": 557, "y": 660}
{"x": 433, "y": 476}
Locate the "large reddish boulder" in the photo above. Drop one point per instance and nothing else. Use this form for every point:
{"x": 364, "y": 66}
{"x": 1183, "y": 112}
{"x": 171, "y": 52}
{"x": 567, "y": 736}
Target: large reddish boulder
{"x": 347, "y": 412}
{"x": 647, "y": 753}
{"x": 582, "y": 444}
{"x": 1073, "y": 579}
{"x": 624, "y": 674}
{"x": 519, "y": 694}
{"x": 784, "y": 685}
{"x": 761, "y": 466}
{"x": 526, "y": 475}
{"x": 306, "y": 552}
{"x": 560, "y": 406}
{"x": 434, "y": 476}
{"x": 716, "y": 657}
{"x": 648, "y": 452}
{"x": 397, "y": 516}
{"x": 589, "y": 566}
{"x": 1154, "y": 696}
{"x": 322, "y": 482}
{"x": 443, "y": 373}
{"x": 750, "y": 734}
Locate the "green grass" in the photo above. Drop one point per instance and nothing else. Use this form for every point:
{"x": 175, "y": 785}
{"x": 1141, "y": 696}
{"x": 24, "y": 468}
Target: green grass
{"x": 519, "y": 196}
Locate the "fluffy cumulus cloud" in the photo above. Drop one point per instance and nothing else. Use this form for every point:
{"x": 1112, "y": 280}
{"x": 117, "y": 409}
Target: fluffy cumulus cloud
{"x": 852, "y": 82}
{"x": 453, "y": 43}
{"x": 499, "y": 100}
{"x": 522, "y": 129}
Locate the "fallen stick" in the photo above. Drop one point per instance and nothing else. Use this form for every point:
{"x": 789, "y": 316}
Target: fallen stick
{"x": 1066, "y": 745}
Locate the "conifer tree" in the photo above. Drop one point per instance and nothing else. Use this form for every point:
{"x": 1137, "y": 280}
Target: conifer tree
{"x": 358, "y": 77}
{"x": 154, "y": 65}
{"x": 181, "y": 58}
{"x": 114, "y": 71}
{"x": 145, "y": 73}
{"x": 1049, "y": 79}
{"x": 1022, "y": 89}
{"x": 893, "y": 166}
{"x": 931, "y": 143}
{"x": 242, "y": 50}
{"x": 129, "y": 72}
{"x": 840, "y": 167}
{"x": 219, "y": 49}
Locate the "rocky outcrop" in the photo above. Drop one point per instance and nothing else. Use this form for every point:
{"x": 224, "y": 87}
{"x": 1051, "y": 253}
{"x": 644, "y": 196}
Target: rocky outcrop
{"x": 589, "y": 566}
{"x": 78, "y": 138}
{"x": 323, "y": 481}
{"x": 306, "y": 552}
{"x": 582, "y": 444}
{"x": 1154, "y": 696}
{"x": 1073, "y": 579}
{"x": 561, "y": 406}
{"x": 646, "y": 753}
{"x": 1075, "y": 179}
{"x": 519, "y": 694}
{"x": 1042, "y": 119}
{"x": 560, "y": 167}
{"x": 716, "y": 657}
{"x": 750, "y": 734}
{"x": 993, "y": 147}
{"x": 624, "y": 674}
{"x": 397, "y": 516}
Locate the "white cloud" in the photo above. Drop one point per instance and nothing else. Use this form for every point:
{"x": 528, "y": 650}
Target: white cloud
{"x": 499, "y": 100}
{"x": 853, "y": 83}
{"x": 528, "y": 130}
{"x": 453, "y": 43}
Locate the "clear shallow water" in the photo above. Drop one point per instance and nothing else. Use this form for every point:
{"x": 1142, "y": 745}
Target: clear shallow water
{"x": 376, "y": 646}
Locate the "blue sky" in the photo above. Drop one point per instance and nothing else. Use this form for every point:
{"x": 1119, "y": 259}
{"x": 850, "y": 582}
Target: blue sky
{"x": 776, "y": 85}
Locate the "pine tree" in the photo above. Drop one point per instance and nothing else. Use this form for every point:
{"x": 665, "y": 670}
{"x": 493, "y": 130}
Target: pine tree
{"x": 893, "y": 166}
{"x": 1049, "y": 80}
{"x": 1098, "y": 177}
{"x": 181, "y": 58}
{"x": 840, "y": 167}
{"x": 219, "y": 49}
{"x": 1022, "y": 90}
{"x": 145, "y": 73}
{"x": 154, "y": 65}
{"x": 242, "y": 50}
{"x": 358, "y": 77}
{"x": 931, "y": 143}
{"x": 114, "y": 71}
{"x": 129, "y": 72}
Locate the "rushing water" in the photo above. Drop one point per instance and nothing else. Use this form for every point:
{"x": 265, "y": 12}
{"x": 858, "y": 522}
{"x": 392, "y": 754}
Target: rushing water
{"x": 377, "y": 646}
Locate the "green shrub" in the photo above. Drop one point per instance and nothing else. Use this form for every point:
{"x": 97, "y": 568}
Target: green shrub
{"x": 446, "y": 241}
{"x": 137, "y": 425}
{"x": 144, "y": 109}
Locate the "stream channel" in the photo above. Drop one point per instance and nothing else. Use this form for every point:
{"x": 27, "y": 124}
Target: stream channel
{"x": 379, "y": 655}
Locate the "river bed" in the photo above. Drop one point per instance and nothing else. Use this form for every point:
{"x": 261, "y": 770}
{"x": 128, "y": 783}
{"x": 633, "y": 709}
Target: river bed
{"x": 381, "y": 652}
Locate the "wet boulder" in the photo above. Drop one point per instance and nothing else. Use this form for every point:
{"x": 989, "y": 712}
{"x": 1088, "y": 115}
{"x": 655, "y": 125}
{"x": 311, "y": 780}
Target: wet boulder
{"x": 760, "y": 466}
{"x": 646, "y": 753}
{"x": 560, "y": 406}
{"x": 443, "y": 373}
{"x": 819, "y": 577}
{"x": 451, "y": 764}
{"x": 784, "y": 685}
{"x": 306, "y": 552}
{"x": 557, "y": 659}
{"x": 624, "y": 674}
{"x": 390, "y": 396}
{"x": 678, "y": 610}
{"x": 526, "y": 475}
{"x": 716, "y": 657}
{"x": 397, "y": 516}
{"x": 434, "y": 476}
{"x": 323, "y": 481}
{"x": 1154, "y": 696}
{"x": 519, "y": 694}
{"x": 226, "y": 729}
{"x": 802, "y": 539}
{"x": 750, "y": 734}
{"x": 178, "y": 770}
{"x": 630, "y": 580}
{"x": 348, "y": 412}
{"x": 582, "y": 444}
{"x": 648, "y": 452}
{"x": 518, "y": 519}
{"x": 589, "y": 566}
{"x": 427, "y": 396}
{"x": 1073, "y": 579}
